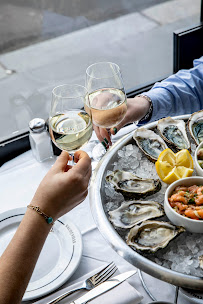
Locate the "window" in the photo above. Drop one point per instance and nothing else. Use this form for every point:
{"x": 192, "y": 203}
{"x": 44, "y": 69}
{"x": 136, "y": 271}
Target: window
{"x": 49, "y": 42}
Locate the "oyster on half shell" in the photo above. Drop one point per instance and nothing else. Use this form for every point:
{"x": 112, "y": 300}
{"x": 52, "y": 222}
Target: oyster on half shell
{"x": 195, "y": 126}
{"x": 131, "y": 213}
{"x": 132, "y": 186}
{"x": 149, "y": 142}
{"x": 174, "y": 132}
{"x": 152, "y": 235}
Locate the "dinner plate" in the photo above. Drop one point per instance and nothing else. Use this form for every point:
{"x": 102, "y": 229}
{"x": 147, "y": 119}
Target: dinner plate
{"x": 59, "y": 257}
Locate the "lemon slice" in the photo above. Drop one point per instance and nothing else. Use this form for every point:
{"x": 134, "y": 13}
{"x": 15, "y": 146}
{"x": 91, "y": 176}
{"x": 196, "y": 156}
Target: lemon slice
{"x": 163, "y": 169}
{"x": 168, "y": 156}
{"x": 172, "y": 166}
{"x": 183, "y": 158}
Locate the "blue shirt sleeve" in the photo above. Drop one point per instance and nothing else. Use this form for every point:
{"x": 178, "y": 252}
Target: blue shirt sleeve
{"x": 181, "y": 93}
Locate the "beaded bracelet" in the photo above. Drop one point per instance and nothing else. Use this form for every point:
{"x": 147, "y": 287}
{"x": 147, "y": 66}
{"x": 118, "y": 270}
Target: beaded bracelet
{"x": 48, "y": 219}
{"x": 149, "y": 112}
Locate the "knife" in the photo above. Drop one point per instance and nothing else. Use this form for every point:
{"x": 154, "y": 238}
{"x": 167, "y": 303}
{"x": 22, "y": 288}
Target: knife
{"x": 103, "y": 287}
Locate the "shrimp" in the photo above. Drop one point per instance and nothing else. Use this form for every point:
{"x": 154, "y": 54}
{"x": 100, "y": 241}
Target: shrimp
{"x": 181, "y": 207}
{"x": 181, "y": 188}
{"x": 194, "y": 214}
{"x": 178, "y": 198}
{"x": 200, "y": 191}
{"x": 181, "y": 193}
{"x": 193, "y": 189}
{"x": 199, "y": 200}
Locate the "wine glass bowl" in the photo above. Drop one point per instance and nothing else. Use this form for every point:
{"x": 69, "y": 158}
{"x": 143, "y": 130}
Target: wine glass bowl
{"x": 70, "y": 126}
{"x": 107, "y": 98}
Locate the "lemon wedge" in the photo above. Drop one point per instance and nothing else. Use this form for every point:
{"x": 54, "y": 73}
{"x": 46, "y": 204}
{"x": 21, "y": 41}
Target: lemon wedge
{"x": 172, "y": 166}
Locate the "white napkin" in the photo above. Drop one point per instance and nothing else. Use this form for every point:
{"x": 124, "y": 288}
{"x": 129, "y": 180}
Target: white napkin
{"x": 121, "y": 294}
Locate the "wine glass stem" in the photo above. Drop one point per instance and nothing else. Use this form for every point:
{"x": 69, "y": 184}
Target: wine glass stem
{"x": 71, "y": 162}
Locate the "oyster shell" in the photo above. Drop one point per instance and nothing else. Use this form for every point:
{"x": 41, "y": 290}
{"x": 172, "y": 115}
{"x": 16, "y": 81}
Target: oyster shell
{"x": 195, "y": 126}
{"x": 132, "y": 213}
{"x": 150, "y": 143}
{"x": 132, "y": 186}
{"x": 174, "y": 132}
{"x": 152, "y": 235}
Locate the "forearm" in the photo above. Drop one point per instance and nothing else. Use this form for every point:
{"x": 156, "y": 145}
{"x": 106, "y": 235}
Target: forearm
{"x": 18, "y": 261}
{"x": 181, "y": 93}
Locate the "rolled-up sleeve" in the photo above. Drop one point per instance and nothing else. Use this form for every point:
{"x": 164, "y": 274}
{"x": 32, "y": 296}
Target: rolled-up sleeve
{"x": 181, "y": 93}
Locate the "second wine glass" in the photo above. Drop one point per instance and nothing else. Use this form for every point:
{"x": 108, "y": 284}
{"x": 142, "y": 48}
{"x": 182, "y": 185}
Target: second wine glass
{"x": 70, "y": 126}
{"x": 107, "y": 98}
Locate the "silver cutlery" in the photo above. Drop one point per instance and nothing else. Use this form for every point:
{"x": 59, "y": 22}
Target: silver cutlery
{"x": 102, "y": 288}
{"x": 91, "y": 282}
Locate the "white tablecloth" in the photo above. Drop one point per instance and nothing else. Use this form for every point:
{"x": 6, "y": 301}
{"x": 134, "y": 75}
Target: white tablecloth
{"x": 20, "y": 177}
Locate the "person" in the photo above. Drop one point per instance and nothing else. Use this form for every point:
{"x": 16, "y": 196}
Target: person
{"x": 181, "y": 93}
{"x": 63, "y": 188}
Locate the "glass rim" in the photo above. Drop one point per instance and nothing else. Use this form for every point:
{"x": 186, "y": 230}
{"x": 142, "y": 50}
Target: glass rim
{"x": 70, "y": 85}
{"x": 116, "y": 72}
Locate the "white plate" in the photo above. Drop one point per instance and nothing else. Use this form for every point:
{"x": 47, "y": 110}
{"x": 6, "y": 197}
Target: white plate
{"x": 192, "y": 295}
{"x": 59, "y": 257}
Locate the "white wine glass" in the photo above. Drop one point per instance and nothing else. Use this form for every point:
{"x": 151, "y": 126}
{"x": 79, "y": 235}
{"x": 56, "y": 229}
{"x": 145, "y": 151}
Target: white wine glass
{"x": 70, "y": 126}
{"x": 107, "y": 98}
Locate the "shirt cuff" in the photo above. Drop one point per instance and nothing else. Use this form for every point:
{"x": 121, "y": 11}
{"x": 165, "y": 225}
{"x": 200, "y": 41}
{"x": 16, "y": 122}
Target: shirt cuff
{"x": 161, "y": 103}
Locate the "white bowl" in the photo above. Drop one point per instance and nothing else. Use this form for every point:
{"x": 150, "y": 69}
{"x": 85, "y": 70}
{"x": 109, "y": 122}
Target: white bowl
{"x": 177, "y": 219}
{"x": 199, "y": 170}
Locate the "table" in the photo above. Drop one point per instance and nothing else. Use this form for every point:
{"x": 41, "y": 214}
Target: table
{"x": 20, "y": 177}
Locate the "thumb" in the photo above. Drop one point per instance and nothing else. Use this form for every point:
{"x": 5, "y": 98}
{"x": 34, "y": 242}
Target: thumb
{"x": 62, "y": 161}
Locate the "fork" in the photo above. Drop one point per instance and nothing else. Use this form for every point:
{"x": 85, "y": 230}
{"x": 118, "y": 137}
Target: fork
{"x": 91, "y": 282}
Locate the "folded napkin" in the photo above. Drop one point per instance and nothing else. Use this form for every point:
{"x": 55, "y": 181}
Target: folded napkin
{"x": 121, "y": 294}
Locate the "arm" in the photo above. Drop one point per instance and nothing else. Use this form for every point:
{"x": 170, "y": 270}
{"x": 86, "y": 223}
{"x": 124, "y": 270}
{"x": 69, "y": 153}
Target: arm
{"x": 62, "y": 189}
{"x": 181, "y": 93}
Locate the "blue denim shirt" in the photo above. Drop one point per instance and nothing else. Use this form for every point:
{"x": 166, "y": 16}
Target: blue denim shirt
{"x": 181, "y": 93}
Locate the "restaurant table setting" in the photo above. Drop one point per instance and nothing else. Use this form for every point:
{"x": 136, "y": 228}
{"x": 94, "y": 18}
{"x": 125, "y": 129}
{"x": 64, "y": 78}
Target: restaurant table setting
{"x": 19, "y": 180}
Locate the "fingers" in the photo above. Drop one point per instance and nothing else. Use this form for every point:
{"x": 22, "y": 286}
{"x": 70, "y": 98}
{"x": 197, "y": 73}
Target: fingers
{"x": 97, "y": 131}
{"x": 106, "y": 136}
{"x": 83, "y": 162}
{"x": 103, "y": 135}
{"x": 114, "y": 130}
{"x": 61, "y": 162}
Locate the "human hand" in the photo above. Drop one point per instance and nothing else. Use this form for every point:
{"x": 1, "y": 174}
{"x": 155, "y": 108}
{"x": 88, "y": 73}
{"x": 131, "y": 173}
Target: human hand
{"x": 64, "y": 186}
{"x": 137, "y": 108}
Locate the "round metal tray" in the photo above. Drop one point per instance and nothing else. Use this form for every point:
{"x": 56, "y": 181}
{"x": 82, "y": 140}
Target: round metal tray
{"x": 97, "y": 196}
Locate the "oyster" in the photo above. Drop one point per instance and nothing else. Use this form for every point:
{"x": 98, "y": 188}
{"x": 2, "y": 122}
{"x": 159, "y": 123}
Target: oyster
{"x": 174, "y": 132}
{"x": 132, "y": 186}
{"x": 132, "y": 213}
{"x": 195, "y": 126}
{"x": 150, "y": 143}
{"x": 152, "y": 235}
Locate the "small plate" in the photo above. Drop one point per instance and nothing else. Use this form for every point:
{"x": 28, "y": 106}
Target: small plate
{"x": 59, "y": 257}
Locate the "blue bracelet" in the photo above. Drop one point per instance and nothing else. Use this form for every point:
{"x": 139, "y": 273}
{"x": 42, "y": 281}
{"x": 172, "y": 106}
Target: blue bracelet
{"x": 48, "y": 219}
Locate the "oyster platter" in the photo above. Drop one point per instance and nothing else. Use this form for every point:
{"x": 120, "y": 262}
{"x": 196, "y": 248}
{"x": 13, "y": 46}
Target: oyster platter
{"x": 132, "y": 197}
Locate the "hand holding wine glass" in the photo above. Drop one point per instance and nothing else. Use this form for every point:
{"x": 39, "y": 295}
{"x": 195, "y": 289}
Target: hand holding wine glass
{"x": 107, "y": 98}
{"x": 70, "y": 126}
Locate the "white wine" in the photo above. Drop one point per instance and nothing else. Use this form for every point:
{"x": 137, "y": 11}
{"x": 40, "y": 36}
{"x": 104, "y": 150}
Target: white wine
{"x": 70, "y": 131}
{"x": 108, "y": 107}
